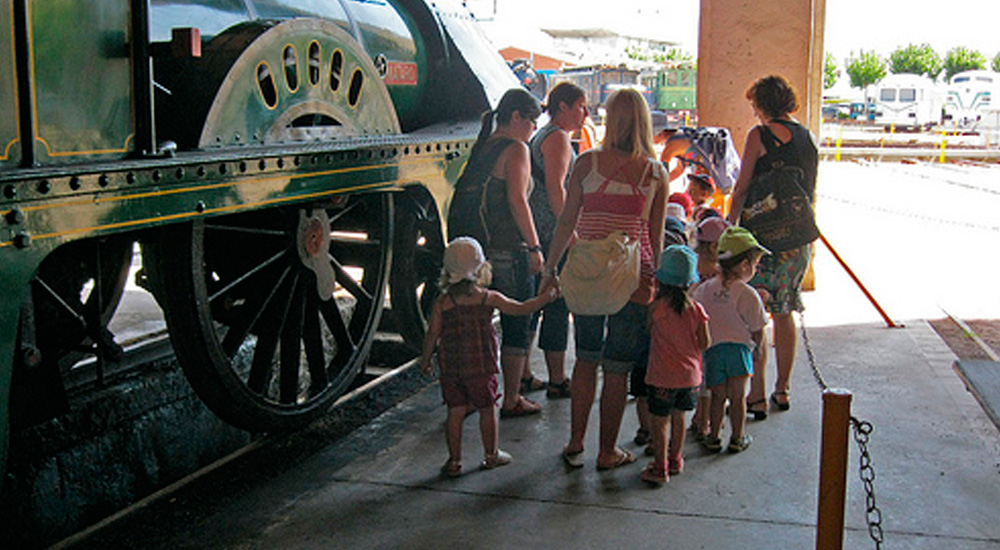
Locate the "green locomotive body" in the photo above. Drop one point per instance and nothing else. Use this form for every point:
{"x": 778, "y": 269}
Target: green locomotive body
{"x": 283, "y": 164}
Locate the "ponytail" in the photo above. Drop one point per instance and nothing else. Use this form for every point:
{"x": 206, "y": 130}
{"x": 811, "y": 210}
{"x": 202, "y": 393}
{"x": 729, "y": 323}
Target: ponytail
{"x": 485, "y": 130}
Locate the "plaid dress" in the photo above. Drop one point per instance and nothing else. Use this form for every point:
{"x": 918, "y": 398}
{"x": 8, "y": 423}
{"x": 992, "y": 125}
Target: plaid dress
{"x": 469, "y": 345}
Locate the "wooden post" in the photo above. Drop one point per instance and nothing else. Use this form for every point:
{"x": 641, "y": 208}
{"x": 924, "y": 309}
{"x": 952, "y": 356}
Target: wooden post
{"x": 833, "y": 469}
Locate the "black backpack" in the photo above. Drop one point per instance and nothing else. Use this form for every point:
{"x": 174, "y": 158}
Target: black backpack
{"x": 467, "y": 214}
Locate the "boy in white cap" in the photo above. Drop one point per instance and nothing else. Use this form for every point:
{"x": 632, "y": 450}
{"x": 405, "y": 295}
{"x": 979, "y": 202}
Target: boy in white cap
{"x": 736, "y": 321}
{"x": 462, "y": 334}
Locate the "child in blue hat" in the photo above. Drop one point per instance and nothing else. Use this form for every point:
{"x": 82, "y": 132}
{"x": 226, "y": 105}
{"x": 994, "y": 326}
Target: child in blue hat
{"x": 678, "y": 329}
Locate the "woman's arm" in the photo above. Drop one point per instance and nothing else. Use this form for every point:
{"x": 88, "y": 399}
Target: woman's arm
{"x": 570, "y": 214}
{"x": 517, "y": 173}
{"x": 658, "y": 215}
{"x": 753, "y": 149}
{"x": 558, "y": 154}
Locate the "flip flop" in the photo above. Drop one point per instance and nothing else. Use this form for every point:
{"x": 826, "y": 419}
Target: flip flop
{"x": 758, "y": 414}
{"x": 573, "y": 460}
{"x": 624, "y": 457}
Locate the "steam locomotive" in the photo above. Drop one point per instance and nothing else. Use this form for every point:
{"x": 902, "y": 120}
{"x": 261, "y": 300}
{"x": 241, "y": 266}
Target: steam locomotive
{"x": 283, "y": 166}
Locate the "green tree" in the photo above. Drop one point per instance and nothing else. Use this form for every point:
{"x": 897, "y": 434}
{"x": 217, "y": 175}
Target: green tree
{"x": 996, "y": 63}
{"x": 865, "y": 70}
{"x": 962, "y": 59}
{"x": 919, "y": 60}
{"x": 830, "y": 72}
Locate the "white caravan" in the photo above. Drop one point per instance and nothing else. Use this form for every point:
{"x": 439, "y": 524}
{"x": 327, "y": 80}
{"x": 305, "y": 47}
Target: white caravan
{"x": 908, "y": 101}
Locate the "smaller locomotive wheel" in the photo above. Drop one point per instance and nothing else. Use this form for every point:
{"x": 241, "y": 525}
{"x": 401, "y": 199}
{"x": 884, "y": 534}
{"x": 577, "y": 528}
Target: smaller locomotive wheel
{"x": 416, "y": 266}
{"x": 248, "y": 301}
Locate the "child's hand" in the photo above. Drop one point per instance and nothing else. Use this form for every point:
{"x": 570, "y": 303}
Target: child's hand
{"x": 427, "y": 366}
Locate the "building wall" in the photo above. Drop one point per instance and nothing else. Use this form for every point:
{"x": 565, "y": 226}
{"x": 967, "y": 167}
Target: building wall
{"x": 743, "y": 40}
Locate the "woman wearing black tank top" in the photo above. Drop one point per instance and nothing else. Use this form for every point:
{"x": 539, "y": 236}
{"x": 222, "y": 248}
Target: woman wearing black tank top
{"x": 780, "y": 276}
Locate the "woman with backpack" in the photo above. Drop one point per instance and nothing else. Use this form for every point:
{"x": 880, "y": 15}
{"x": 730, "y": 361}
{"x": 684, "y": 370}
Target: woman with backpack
{"x": 780, "y": 275}
{"x": 491, "y": 205}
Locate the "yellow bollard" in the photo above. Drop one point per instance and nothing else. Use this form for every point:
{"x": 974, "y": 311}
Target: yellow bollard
{"x": 840, "y": 140}
{"x": 944, "y": 141}
{"x": 833, "y": 469}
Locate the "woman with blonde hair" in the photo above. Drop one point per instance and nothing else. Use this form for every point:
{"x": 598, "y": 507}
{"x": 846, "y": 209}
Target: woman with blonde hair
{"x": 620, "y": 186}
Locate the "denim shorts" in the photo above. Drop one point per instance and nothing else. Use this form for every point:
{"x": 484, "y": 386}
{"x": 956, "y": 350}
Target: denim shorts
{"x": 617, "y": 342}
{"x": 727, "y": 360}
{"x": 663, "y": 401}
{"x": 554, "y": 332}
{"x": 512, "y": 277}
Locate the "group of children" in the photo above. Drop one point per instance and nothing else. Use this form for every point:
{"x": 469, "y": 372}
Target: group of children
{"x": 706, "y": 328}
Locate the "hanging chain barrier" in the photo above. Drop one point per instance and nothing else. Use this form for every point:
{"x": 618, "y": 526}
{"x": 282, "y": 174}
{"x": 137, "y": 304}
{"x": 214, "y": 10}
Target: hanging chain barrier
{"x": 862, "y": 434}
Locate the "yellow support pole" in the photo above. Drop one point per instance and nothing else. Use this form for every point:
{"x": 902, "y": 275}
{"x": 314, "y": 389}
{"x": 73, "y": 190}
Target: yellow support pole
{"x": 833, "y": 469}
{"x": 840, "y": 140}
{"x": 944, "y": 141}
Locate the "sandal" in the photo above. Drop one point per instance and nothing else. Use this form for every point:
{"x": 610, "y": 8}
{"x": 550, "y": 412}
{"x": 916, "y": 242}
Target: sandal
{"x": 452, "y": 468}
{"x": 524, "y": 407}
{"x": 573, "y": 460}
{"x": 675, "y": 465}
{"x": 530, "y": 384}
{"x": 558, "y": 391}
{"x": 494, "y": 460}
{"x": 778, "y": 404}
{"x": 624, "y": 457}
{"x": 655, "y": 473}
{"x": 758, "y": 414}
{"x": 641, "y": 437}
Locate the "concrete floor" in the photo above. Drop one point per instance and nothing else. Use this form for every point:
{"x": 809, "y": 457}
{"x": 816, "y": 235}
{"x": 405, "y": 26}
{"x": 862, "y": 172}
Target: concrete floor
{"x": 935, "y": 454}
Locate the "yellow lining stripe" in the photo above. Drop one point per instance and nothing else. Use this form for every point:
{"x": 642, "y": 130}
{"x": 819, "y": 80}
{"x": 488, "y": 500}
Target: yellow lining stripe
{"x": 145, "y": 221}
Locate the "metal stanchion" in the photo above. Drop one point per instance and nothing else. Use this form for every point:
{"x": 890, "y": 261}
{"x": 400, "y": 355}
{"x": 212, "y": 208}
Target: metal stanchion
{"x": 833, "y": 469}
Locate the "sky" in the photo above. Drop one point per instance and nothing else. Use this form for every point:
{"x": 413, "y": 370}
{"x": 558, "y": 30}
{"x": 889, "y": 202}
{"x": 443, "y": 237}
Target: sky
{"x": 851, "y": 25}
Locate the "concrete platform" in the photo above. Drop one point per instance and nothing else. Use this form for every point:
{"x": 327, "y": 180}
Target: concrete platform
{"x": 935, "y": 453}
{"x": 933, "y": 449}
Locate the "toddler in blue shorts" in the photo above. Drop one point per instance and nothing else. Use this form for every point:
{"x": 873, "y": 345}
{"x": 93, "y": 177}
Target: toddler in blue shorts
{"x": 736, "y": 324}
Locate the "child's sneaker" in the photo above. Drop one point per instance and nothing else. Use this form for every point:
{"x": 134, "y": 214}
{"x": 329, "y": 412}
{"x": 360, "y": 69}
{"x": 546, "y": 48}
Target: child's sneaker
{"x": 741, "y": 444}
{"x": 655, "y": 474}
{"x": 499, "y": 458}
{"x": 712, "y": 444}
{"x": 675, "y": 464}
{"x": 452, "y": 468}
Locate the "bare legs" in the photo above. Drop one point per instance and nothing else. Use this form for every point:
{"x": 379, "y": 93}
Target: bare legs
{"x": 487, "y": 429}
{"x": 733, "y": 389}
{"x": 513, "y": 366}
{"x": 785, "y": 343}
{"x": 784, "y": 353}
{"x": 613, "y": 396}
{"x": 672, "y": 449}
{"x": 555, "y": 362}
{"x": 583, "y": 388}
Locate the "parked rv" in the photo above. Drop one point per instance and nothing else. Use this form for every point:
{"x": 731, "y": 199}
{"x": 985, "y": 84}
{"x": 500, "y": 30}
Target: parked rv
{"x": 908, "y": 101}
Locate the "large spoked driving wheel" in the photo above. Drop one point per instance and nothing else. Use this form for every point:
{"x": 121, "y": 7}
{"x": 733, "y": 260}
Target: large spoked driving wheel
{"x": 272, "y": 313}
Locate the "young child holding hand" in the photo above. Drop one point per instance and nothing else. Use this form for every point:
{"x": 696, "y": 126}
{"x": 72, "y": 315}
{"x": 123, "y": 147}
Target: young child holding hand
{"x": 737, "y": 321}
{"x": 678, "y": 329}
{"x": 462, "y": 334}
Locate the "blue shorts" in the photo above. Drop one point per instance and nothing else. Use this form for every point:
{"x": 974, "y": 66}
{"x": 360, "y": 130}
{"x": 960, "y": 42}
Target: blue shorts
{"x": 512, "y": 277}
{"x": 727, "y": 360}
{"x": 617, "y": 342}
{"x": 663, "y": 401}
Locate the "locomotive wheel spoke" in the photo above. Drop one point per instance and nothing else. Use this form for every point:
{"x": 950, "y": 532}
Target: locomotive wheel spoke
{"x": 266, "y": 352}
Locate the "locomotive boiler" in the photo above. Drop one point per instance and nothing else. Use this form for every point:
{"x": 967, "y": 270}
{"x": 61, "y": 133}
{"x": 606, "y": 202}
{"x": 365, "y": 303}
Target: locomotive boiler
{"x": 283, "y": 166}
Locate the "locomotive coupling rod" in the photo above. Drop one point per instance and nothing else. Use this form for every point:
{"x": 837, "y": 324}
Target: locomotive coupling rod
{"x": 833, "y": 469}
{"x": 850, "y": 273}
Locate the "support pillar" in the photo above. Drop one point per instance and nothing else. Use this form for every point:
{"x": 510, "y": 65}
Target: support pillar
{"x": 743, "y": 40}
